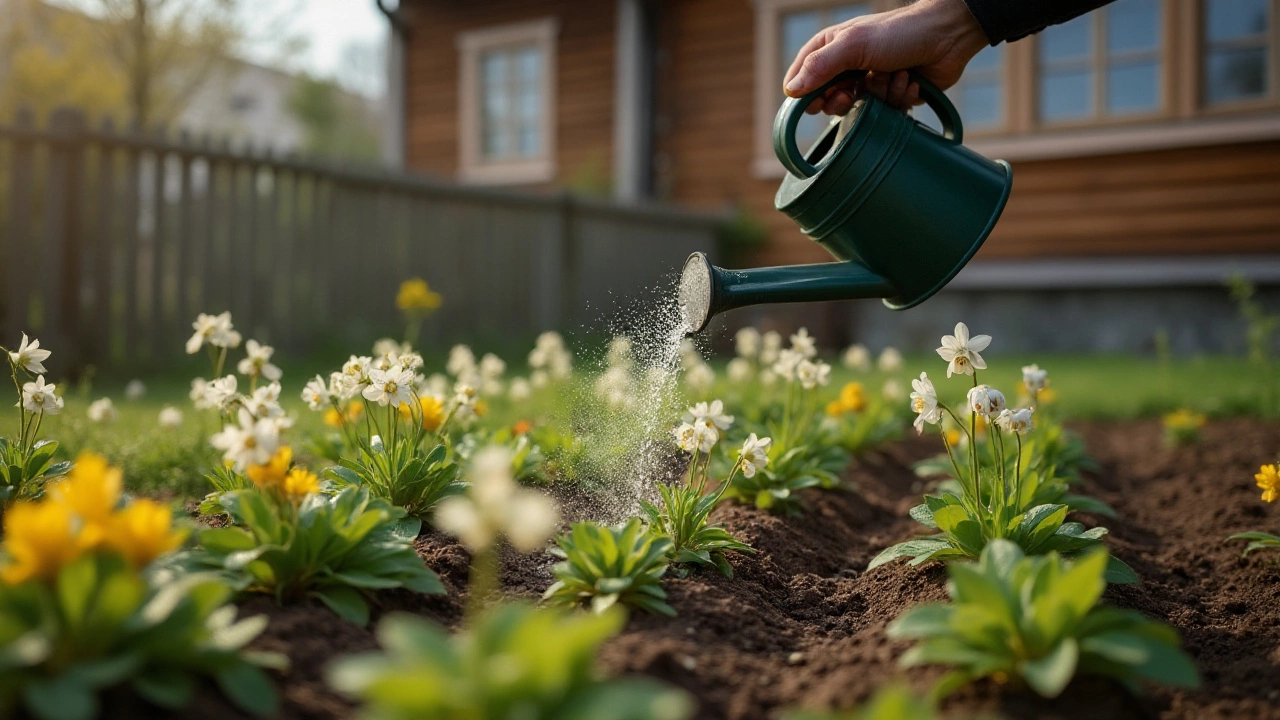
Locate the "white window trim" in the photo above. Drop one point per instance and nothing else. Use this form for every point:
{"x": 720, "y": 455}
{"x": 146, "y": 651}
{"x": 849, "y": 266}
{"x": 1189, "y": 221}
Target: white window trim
{"x": 472, "y": 167}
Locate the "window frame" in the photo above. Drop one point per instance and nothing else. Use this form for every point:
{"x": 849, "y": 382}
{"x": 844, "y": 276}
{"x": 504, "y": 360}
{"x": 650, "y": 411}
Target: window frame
{"x": 1199, "y": 46}
{"x": 473, "y": 166}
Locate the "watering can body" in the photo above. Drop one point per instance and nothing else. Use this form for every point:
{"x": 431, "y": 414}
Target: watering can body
{"x": 902, "y": 208}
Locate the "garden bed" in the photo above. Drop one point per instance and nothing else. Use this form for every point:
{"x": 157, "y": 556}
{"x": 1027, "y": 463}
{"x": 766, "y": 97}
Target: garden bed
{"x": 802, "y": 624}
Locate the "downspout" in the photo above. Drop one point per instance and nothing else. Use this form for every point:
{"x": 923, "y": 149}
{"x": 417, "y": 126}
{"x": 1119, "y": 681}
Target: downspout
{"x": 395, "y": 148}
{"x": 633, "y": 99}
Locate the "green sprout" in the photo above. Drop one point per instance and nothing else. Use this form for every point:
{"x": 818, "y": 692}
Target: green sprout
{"x": 605, "y": 566}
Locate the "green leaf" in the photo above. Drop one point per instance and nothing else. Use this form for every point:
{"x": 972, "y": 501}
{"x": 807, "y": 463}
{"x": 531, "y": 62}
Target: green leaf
{"x": 227, "y": 540}
{"x": 1050, "y": 674}
{"x": 910, "y": 548}
{"x": 63, "y": 697}
{"x": 76, "y": 584}
{"x": 249, "y": 689}
{"x": 1119, "y": 573}
{"x": 345, "y": 602}
{"x": 168, "y": 688}
{"x": 921, "y": 621}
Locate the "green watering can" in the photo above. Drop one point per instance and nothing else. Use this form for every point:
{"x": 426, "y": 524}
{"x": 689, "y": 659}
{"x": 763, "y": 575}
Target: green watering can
{"x": 901, "y": 207}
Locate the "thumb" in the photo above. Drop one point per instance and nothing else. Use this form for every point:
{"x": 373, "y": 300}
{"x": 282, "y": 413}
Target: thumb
{"x": 846, "y": 52}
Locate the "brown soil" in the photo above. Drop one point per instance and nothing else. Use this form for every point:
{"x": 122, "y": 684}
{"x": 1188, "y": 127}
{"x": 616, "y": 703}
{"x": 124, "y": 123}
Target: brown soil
{"x": 802, "y": 623}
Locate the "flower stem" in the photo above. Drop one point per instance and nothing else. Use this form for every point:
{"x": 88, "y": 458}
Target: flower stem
{"x": 485, "y": 571}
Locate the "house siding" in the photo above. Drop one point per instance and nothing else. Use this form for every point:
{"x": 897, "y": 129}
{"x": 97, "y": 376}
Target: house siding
{"x": 584, "y": 82}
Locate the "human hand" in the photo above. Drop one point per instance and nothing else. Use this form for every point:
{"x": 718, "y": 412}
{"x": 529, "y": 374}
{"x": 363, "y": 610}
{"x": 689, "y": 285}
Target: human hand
{"x": 936, "y": 38}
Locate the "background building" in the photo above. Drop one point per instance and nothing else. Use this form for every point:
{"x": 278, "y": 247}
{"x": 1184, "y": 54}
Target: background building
{"x": 1145, "y": 139}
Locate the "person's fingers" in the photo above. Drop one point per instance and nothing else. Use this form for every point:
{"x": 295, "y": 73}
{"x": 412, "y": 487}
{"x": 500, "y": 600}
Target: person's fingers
{"x": 897, "y": 92}
{"x": 913, "y": 95}
{"x": 839, "y": 102}
{"x": 816, "y": 42}
{"x": 815, "y": 107}
{"x": 845, "y": 52}
{"x": 877, "y": 84}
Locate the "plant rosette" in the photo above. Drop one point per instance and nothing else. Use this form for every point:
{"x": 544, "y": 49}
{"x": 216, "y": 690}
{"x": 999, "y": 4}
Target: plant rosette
{"x": 26, "y": 461}
{"x": 603, "y": 566}
{"x": 546, "y": 659}
{"x": 1036, "y": 620}
{"x": 86, "y": 606}
{"x": 333, "y": 548}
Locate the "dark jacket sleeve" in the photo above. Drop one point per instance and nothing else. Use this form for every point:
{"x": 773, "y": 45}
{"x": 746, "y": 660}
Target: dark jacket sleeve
{"x": 1009, "y": 20}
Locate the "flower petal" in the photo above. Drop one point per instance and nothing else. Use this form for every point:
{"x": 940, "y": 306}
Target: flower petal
{"x": 977, "y": 343}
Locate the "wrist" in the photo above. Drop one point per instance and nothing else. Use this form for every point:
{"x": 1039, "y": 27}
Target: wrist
{"x": 956, "y": 23}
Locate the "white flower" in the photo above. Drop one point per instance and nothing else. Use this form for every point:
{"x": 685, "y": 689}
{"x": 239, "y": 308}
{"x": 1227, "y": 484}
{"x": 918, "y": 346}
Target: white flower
{"x": 686, "y": 437}
{"x": 496, "y": 506}
{"x": 264, "y": 402}
{"x": 102, "y": 410}
{"x": 199, "y": 394}
{"x": 459, "y": 517}
{"x": 700, "y": 377}
{"x": 135, "y": 390}
{"x": 462, "y": 362}
{"x": 924, "y": 402}
{"x": 1034, "y": 378}
{"x": 768, "y": 377}
{"x": 316, "y": 393}
{"x": 706, "y": 435}
{"x": 961, "y": 351}
{"x": 539, "y": 378}
{"x": 621, "y": 353}
{"x": 464, "y": 398}
{"x": 739, "y": 371}
{"x": 248, "y": 441}
{"x": 392, "y": 387}
{"x": 788, "y": 361}
{"x": 856, "y": 357}
{"x": 755, "y": 454}
{"x": 713, "y": 413}
{"x": 803, "y": 343}
{"x": 892, "y": 390}
{"x": 37, "y": 397}
{"x": 491, "y": 367}
{"x": 746, "y": 342}
{"x": 215, "y": 330}
{"x": 408, "y": 360}
{"x": 812, "y": 374}
{"x": 532, "y": 518}
{"x": 890, "y": 360}
{"x": 29, "y": 356}
{"x": 770, "y": 346}
{"x": 222, "y": 393}
{"x": 356, "y": 375}
{"x": 519, "y": 391}
{"x": 1016, "y": 421}
{"x": 560, "y": 365}
{"x": 614, "y": 385}
{"x": 986, "y": 401}
{"x": 257, "y": 362}
{"x": 170, "y": 417}
{"x": 388, "y": 346}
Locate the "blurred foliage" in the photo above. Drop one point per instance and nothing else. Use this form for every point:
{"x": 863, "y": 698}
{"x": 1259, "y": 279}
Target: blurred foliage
{"x": 334, "y": 126}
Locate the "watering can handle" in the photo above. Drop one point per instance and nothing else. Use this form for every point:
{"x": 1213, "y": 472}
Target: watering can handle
{"x": 788, "y": 118}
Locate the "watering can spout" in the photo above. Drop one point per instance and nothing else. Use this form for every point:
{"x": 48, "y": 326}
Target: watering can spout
{"x": 707, "y": 290}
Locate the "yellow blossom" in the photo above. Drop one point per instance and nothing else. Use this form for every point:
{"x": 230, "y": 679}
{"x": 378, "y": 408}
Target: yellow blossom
{"x": 852, "y": 397}
{"x": 1184, "y": 419}
{"x": 333, "y": 418}
{"x": 952, "y": 436}
{"x": 39, "y": 539}
{"x": 142, "y": 532}
{"x": 416, "y": 295}
{"x": 835, "y": 409}
{"x": 481, "y": 408}
{"x": 300, "y": 483}
{"x": 91, "y": 492}
{"x": 273, "y": 473}
{"x": 1269, "y": 480}
{"x": 1047, "y": 396}
{"x": 432, "y": 412}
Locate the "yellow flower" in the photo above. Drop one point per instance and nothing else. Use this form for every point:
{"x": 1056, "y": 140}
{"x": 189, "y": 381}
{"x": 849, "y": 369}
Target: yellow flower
{"x": 1184, "y": 419}
{"x": 333, "y": 418}
{"x": 852, "y": 397}
{"x": 39, "y": 539}
{"x": 300, "y": 483}
{"x": 953, "y": 437}
{"x": 355, "y": 410}
{"x": 415, "y": 294}
{"x": 1047, "y": 396}
{"x": 142, "y": 532}
{"x": 273, "y": 473}
{"x": 481, "y": 408}
{"x": 835, "y": 409}
{"x": 91, "y": 492}
{"x": 432, "y": 412}
{"x": 1269, "y": 480}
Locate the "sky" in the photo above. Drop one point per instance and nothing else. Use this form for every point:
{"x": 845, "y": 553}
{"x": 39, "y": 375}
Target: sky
{"x": 328, "y": 27}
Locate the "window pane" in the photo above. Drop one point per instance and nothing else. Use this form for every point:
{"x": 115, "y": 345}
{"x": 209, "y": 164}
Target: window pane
{"x": 987, "y": 59}
{"x": 1225, "y": 19}
{"x": 1133, "y": 25}
{"x": 848, "y": 12}
{"x": 797, "y": 28}
{"x": 981, "y": 104}
{"x": 1070, "y": 40}
{"x": 1235, "y": 74}
{"x": 928, "y": 118}
{"x": 1133, "y": 88}
{"x": 493, "y": 98}
{"x": 1066, "y": 95}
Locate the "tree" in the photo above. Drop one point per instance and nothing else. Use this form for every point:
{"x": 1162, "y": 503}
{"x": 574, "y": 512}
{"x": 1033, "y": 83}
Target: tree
{"x": 335, "y": 123}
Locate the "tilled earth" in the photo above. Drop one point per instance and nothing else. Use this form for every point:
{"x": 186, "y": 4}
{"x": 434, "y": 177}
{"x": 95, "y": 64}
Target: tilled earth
{"x": 802, "y": 623}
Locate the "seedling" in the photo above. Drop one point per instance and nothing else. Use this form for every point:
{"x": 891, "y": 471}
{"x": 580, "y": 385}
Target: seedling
{"x": 604, "y": 566}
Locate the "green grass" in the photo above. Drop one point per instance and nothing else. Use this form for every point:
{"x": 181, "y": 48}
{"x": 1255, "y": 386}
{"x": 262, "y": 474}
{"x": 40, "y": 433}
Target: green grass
{"x": 173, "y": 462}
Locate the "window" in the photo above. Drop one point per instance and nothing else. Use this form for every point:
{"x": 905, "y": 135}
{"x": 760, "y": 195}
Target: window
{"x": 506, "y": 119}
{"x": 1236, "y": 50}
{"x": 796, "y": 27}
{"x": 979, "y": 96}
{"x": 1104, "y": 64}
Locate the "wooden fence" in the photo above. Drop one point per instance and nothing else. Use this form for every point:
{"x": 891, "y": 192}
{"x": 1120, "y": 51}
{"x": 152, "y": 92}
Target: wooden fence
{"x": 112, "y": 241}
